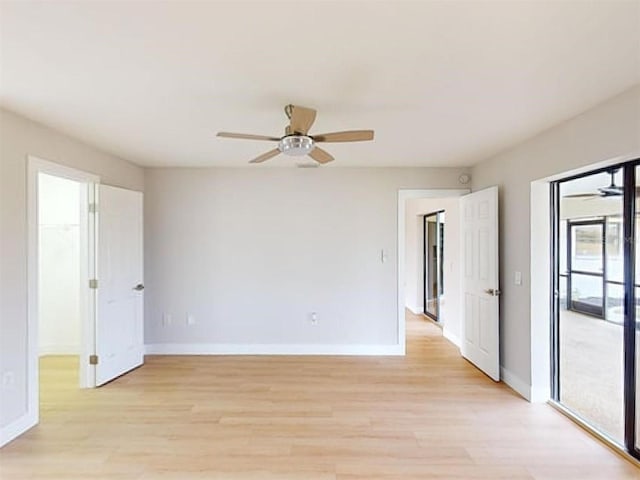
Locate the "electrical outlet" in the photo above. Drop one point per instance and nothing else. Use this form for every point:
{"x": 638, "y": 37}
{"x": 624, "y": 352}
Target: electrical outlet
{"x": 166, "y": 319}
{"x": 313, "y": 318}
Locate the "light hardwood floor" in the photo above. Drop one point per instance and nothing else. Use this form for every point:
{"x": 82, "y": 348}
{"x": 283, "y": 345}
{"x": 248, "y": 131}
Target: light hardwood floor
{"x": 427, "y": 415}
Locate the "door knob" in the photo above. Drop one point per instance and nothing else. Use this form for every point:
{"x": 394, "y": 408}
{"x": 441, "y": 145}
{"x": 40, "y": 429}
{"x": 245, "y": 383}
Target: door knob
{"x": 139, "y": 287}
{"x": 494, "y": 292}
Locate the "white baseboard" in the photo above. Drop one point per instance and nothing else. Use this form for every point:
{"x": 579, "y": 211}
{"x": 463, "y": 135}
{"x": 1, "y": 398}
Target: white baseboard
{"x": 455, "y": 339}
{"x": 17, "y": 427}
{"x": 58, "y": 350}
{"x": 269, "y": 349}
{"x": 516, "y": 383}
{"x": 414, "y": 310}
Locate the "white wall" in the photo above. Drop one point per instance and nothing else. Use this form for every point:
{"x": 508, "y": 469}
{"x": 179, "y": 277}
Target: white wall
{"x": 413, "y": 255}
{"x": 250, "y": 253}
{"x": 20, "y": 137}
{"x": 59, "y": 265}
{"x": 610, "y": 131}
{"x": 450, "y": 305}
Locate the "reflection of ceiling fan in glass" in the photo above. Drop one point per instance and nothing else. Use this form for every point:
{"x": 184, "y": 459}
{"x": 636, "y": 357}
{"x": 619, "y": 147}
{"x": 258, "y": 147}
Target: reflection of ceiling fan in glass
{"x": 612, "y": 190}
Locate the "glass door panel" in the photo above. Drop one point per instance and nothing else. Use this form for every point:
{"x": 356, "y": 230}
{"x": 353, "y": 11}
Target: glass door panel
{"x": 587, "y": 294}
{"x": 614, "y": 249}
{"x": 586, "y": 241}
{"x": 637, "y": 429}
{"x": 615, "y": 303}
{"x": 637, "y": 384}
{"x": 586, "y": 267}
{"x": 591, "y": 372}
{"x": 589, "y": 340}
{"x": 633, "y": 325}
{"x": 614, "y": 286}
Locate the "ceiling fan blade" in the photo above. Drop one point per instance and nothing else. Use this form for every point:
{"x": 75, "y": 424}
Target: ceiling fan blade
{"x": 582, "y": 195}
{"x": 266, "y": 156}
{"x": 247, "y": 136}
{"x": 301, "y": 119}
{"x": 347, "y": 136}
{"x": 320, "y": 155}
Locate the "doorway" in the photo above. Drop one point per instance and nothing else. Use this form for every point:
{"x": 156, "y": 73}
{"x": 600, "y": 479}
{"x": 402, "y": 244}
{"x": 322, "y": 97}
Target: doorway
{"x": 411, "y": 265}
{"x": 433, "y": 263}
{"x": 61, "y": 260}
{"x": 594, "y": 328}
{"x": 110, "y": 317}
{"x": 469, "y": 314}
{"x": 59, "y": 283}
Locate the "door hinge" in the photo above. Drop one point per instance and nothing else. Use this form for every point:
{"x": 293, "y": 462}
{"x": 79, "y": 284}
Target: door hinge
{"x": 93, "y": 207}
{"x": 93, "y": 283}
{"x": 93, "y": 359}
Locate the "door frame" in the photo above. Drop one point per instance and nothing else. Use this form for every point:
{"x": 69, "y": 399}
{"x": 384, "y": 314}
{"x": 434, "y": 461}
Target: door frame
{"x": 570, "y": 270}
{"x": 87, "y": 181}
{"x": 541, "y": 286}
{"x": 439, "y": 266}
{"x": 403, "y": 196}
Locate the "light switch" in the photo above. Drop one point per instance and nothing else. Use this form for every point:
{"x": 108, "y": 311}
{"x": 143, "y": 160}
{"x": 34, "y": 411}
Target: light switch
{"x": 517, "y": 278}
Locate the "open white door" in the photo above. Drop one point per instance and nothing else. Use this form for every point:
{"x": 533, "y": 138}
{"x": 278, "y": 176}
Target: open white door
{"x": 119, "y": 316}
{"x": 480, "y": 325}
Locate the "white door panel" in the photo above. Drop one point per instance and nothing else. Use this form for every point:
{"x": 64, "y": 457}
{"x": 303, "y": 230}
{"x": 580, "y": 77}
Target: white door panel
{"x": 119, "y": 318}
{"x": 480, "y": 323}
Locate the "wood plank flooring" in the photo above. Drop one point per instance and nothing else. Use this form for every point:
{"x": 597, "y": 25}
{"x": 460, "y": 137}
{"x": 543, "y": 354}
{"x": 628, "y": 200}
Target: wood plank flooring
{"x": 427, "y": 415}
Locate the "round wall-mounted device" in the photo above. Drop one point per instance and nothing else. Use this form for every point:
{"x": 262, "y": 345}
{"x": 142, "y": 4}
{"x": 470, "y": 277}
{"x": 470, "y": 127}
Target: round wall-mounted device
{"x": 464, "y": 178}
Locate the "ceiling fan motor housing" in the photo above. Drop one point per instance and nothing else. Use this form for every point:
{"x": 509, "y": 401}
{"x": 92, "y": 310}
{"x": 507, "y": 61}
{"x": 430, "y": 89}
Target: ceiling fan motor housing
{"x": 296, "y": 145}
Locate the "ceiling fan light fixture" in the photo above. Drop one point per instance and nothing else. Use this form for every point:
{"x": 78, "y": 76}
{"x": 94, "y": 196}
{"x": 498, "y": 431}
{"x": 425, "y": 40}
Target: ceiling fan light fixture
{"x": 296, "y": 145}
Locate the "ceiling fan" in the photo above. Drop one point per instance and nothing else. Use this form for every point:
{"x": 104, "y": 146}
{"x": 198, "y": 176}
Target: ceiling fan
{"x": 296, "y": 140}
{"x": 611, "y": 190}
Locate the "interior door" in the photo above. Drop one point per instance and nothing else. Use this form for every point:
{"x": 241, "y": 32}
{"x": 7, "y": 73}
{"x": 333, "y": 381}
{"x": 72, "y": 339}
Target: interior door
{"x": 119, "y": 315}
{"x": 480, "y": 325}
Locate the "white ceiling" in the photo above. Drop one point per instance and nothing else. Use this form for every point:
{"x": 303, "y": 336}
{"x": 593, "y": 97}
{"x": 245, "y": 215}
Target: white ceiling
{"x": 442, "y": 83}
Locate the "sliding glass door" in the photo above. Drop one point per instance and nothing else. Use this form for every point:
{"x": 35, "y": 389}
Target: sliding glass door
{"x": 632, "y": 320}
{"x": 594, "y": 330}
